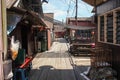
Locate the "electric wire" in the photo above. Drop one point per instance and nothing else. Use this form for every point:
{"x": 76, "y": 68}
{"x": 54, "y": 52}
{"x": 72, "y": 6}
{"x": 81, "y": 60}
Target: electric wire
{"x": 69, "y": 6}
{"x": 63, "y": 1}
{"x": 68, "y": 3}
{"x": 73, "y": 11}
{"x": 85, "y": 5}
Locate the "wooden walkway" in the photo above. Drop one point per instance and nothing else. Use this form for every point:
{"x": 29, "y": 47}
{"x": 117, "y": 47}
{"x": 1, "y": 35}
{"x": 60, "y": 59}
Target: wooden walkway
{"x": 53, "y": 65}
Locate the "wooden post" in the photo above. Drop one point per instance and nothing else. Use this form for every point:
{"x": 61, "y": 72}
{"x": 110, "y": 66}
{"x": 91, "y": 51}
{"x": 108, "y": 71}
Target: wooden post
{"x": 4, "y": 25}
{"x": 98, "y": 29}
{"x": 1, "y": 44}
{"x": 105, "y": 27}
{"x": 114, "y": 27}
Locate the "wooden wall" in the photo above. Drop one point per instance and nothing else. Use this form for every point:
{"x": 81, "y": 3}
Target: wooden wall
{"x": 101, "y": 9}
{"x": 49, "y": 39}
{"x": 24, "y": 34}
{"x": 109, "y": 5}
{"x": 115, "y": 57}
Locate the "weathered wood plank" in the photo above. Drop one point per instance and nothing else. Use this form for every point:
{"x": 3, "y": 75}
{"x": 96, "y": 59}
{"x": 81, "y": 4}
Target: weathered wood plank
{"x": 53, "y": 65}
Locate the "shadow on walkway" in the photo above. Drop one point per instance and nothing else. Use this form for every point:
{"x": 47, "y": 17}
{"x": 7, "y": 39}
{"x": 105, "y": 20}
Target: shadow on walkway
{"x": 50, "y": 73}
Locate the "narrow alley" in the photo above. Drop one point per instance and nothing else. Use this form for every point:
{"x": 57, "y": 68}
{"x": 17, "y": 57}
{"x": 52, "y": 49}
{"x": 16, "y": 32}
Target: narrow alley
{"x": 59, "y": 39}
{"x": 57, "y": 64}
{"x": 53, "y": 64}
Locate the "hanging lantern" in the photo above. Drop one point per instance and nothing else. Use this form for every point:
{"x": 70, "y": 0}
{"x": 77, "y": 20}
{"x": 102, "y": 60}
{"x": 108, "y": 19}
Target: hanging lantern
{"x": 92, "y": 32}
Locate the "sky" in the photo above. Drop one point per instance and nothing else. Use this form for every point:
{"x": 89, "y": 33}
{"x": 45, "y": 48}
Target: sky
{"x": 66, "y": 8}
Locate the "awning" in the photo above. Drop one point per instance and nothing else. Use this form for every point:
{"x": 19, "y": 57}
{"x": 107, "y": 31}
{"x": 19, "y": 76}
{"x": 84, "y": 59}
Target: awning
{"x": 33, "y": 5}
{"x": 94, "y": 2}
{"x": 35, "y": 19}
{"x": 60, "y": 31}
{"x": 28, "y": 15}
{"x": 9, "y": 3}
{"x": 80, "y": 27}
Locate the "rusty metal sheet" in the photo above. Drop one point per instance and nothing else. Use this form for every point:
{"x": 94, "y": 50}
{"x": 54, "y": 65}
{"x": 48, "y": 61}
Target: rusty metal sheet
{"x": 92, "y": 2}
{"x": 81, "y": 27}
{"x": 9, "y": 3}
{"x": 33, "y": 16}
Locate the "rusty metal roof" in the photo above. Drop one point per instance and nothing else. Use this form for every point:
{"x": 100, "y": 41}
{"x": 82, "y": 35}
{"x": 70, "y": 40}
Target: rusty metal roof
{"x": 9, "y": 3}
{"x": 80, "y": 27}
{"x": 79, "y": 18}
{"x": 33, "y": 5}
{"x": 94, "y": 2}
{"x": 32, "y": 16}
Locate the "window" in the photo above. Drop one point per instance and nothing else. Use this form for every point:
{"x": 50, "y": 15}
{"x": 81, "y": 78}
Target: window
{"x": 102, "y": 28}
{"x": 110, "y": 28}
{"x": 118, "y": 28}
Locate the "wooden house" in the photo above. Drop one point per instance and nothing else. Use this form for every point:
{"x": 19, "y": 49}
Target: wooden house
{"x": 23, "y": 24}
{"x": 22, "y": 19}
{"x": 59, "y": 31}
{"x": 82, "y": 27}
{"x": 108, "y": 20}
{"x": 48, "y": 18}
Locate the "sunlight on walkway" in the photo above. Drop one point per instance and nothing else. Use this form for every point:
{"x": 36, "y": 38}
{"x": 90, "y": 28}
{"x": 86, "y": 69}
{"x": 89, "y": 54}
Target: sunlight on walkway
{"x": 53, "y": 64}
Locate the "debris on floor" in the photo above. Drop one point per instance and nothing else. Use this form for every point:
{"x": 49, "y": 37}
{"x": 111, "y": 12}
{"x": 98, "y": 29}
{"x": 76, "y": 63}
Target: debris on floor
{"x": 105, "y": 73}
{"x": 83, "y": 66}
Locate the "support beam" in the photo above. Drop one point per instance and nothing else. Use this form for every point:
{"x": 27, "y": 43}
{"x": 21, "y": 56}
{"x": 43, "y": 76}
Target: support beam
{"x": 1, "y": 44}
{"x": 4, "y": 26}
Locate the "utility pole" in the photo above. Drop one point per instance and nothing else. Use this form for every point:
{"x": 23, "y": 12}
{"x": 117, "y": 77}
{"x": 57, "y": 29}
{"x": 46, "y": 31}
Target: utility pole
{"x": 76, "y": 11}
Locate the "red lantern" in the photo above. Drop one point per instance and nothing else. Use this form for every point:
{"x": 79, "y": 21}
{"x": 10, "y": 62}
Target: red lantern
{"x": 92, "y": 32}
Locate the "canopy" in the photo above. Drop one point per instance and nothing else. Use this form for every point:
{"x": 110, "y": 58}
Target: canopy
{"x": 94, "y": 2}
{"x": 80, "y": 27}
{"x": 29, "y": 15}
{"x": 9, "y": 3}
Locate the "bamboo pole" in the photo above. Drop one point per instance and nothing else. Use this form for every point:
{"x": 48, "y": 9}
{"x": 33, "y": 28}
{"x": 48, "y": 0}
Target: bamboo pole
{"x": 1, "y": 45}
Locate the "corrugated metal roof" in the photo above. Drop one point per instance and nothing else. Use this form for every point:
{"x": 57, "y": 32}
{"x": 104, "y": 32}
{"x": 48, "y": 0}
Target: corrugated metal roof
{"x": 81, "y": 27}
{"x": 80, "y": 18}
{"x": 94, "y": 2}
{"x": 34, "y": 5}
{"x": 59, "y": 30}
{"x": 9, "y": 3}
{"x": 31, "y": 15}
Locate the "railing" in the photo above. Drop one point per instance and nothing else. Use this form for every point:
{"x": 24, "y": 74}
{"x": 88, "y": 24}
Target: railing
{"x": 101, "y": 57}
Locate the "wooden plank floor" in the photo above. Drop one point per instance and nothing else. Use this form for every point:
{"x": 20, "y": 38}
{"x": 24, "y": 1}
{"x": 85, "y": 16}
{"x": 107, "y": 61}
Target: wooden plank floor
{"x": 53, "y": 65}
